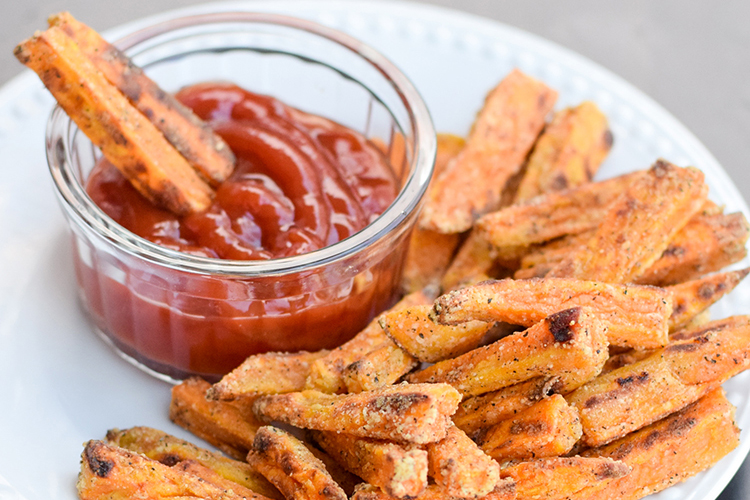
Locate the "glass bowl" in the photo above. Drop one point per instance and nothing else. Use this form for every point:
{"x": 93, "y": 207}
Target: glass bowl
{"x": 177, "y": 315}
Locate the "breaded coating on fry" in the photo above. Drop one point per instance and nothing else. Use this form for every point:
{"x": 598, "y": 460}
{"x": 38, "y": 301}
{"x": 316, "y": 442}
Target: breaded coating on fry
{"x": 638, "y": 226}
{"x": 378, "y": 368}
{"x": 268, "y": 373}
{"x": 484, "y": 411}
{"x": 412, "y": 329}
{"x": 291, "y": 467}
{"x": 570, "y": 344}
{"x": 561, "y": 478}
{"x": 503, "y": 133}
{"x": 400, "y": 472}
{"x": 505, "y": 490}
{"x": 669, "y": 451}
{"x": 634, "y": 315}
{"x": 170, "y": 450}
{"x": 460, "y": 467}
{"x": 549, "y": 428}
{"x": 109, "y": 472}
{"x": 414, "y": 413}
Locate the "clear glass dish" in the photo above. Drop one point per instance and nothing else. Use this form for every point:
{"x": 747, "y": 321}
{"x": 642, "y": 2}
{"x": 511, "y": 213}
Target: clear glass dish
{"x": 177, "y": 315}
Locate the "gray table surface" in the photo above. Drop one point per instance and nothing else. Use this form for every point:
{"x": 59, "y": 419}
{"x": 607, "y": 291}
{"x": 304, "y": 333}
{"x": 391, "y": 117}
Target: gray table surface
{"x": 691, "y": 57}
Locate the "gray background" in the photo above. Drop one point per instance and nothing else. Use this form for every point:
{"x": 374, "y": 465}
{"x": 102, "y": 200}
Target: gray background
{"x": 692, "y": 57}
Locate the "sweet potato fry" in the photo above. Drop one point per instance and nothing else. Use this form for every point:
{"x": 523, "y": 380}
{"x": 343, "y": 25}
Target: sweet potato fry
{"x": 707, "y": 243}
{"x": 400, "y": 472}
{"x": 505, "y": 490}
{"x": 413, "y": 330}
{"x": 210, "y": 476}
{"x": 636, "y": 395}
{"x": 560, "y": 478}
{"x": 381, "y": 367}
{"x": 669, "y": 451}
{"x": 415, "y": 413}
{"x": 638, "y": 226}
{"x": 197, "y": 143}
{"x": 431, "y": 252}
{"x": 692, "y": 297}
{"x": 484, "y": 411}
{"x": 460, "y": 467}
{"x": 548, "y": 428}
{"x": 269, "y": 373}
{"x": 474, "y": 262}
{"x": 628, "y": 357}
{"x": 504, "y": 132}
{"x": 170, "y": 450}
{"x": 568, "y": 153}
{"x": 553, "y": 215}
{"x": 550, "y": 253}
{"x": 126, "y": 137}
{"x": 291, "y": 467}
{"x": 570, "y": 344}
{"x": 111, "y": 472}
{"x": 327, "y": 373}
{"x": 223, "y": 424}
{"x": 635, "y": 316}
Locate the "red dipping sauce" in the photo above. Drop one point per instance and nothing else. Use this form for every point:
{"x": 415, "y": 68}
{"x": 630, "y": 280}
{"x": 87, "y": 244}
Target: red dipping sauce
{"x": 301, "y": 183}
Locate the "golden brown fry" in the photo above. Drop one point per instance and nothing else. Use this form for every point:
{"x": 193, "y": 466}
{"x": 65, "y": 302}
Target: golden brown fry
{"x": 381, "y": 367}
{"x": 291, "y": 467}
{"x": 193, "y": 138}
{"x": 327, "y": 373}
{"x": 109, "y": 472}
{"x": 638, "y": 226}
{"x": 413, "y": 330}
{"x": 400, "y": 472}
{"x": 484, "y": 411}
{"x": 553, "y": 215}
{"x": 560, "y": 478}
{"x": 570, "y": 344}
{"x": 707, "y": 243}
{"x": 504, "y": 132}
{"x": 548, "y": 428}
{"x": 126, "y": 137}
{"x": 223, "y": 424}
{"x": 636, "y": 395}
{"x": 568, "y": 153}
{"x": 546, "y": 255}
{"x": 504, "y": 491}
{"x": 170, "y": 450}
{"x": 693, "y": 297}
{"x": 669, "y": 451}
{"x": 431, "y": 252}
{"x": 634, "y": 315}
{"x": 460, "y": 467}
{"x": 628, "y": 357}
{"x": 268, "y": 373}
{"x": 415, "y": 413}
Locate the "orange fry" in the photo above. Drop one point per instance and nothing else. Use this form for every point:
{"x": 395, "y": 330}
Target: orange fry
{"x": 193, "y": 138}
{"x": 693, "y": 297}
{"x": 291, "y": 467}
{"x": 415, "y": 413}
{"x": 568, "y": 153}
{"x": 634, "y": 315}
{"x": 383, "y": 366}
{"x": 400, "y": 472}
{"x": 638, "y": 226}
{"x": 226, "y": 425}
{"x": 504, "y": 132}
{"x": 570, "y": 344}
{"x": 505, "y": 490}
{"x": 126, "y": 137}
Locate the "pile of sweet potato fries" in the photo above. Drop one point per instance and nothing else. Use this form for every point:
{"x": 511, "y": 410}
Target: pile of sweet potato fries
{"x": 553, "y": 342}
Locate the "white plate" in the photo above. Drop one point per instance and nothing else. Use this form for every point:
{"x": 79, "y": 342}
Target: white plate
{"x": 60, "y": 385}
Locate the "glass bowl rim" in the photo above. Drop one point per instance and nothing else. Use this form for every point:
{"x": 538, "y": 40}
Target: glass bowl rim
{"x": 80, "y": 206}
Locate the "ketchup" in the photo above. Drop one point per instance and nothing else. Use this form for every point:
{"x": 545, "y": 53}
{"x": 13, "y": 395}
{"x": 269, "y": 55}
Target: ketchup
{"x": 301, "y": 183}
